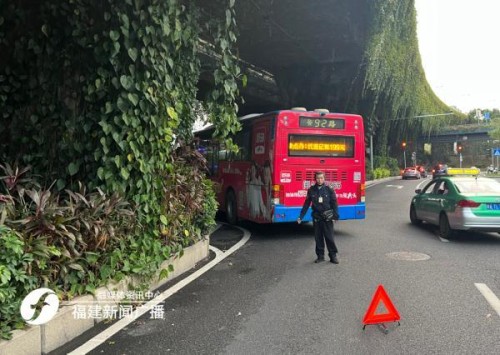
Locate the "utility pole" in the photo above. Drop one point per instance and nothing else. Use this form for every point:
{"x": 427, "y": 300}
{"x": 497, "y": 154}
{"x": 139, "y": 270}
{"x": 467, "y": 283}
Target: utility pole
{"x": 459, "y": 149}
{"x": 371, "y": 152}
{"x": 371, "y": 130}
{"x": 404, "y": 152}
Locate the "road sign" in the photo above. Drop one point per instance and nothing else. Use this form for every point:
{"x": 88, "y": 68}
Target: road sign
{"x": 496, "y": 152}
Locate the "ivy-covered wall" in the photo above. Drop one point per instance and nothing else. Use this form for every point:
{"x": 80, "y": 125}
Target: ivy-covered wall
{"x": 102, "y": 92}
{"x": 360, "y": 56}
{"x": 98, "y": 98}
{"x": 394, "y": 84}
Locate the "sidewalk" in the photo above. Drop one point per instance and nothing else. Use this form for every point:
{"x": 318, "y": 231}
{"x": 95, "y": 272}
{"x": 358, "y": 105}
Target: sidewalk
{"x": 222, "y": 238}
{"x": 65, "y": 326}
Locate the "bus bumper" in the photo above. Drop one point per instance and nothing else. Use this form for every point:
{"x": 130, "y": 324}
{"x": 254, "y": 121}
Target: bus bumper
{"x": 290, "y": 214}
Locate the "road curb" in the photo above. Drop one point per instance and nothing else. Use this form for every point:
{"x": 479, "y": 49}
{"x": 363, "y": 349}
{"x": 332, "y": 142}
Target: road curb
{"x": 103, "y": 336}
{"x": 64, "y": 326}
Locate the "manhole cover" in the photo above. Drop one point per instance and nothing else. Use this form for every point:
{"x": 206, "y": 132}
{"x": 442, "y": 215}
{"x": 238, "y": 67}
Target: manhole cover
{"x": 408, "y": 256}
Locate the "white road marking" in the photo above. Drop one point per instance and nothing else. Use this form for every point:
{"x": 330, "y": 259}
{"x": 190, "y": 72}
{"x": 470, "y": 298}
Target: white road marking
{"x": 122, "y": 323}
{"x": 490, "y": 296}
{"x": 397, "y": 186}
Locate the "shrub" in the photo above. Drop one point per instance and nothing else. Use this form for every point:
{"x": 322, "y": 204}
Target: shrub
{"x": 392, "y": 165}
{"x": 53, "y": 240}
{"x": 75, "y": 241}
{"x": 385, "y": 167}
{"x": 16, "y": 279}
{"x": 189, "y": 201}
{"x": 381, "y": 173}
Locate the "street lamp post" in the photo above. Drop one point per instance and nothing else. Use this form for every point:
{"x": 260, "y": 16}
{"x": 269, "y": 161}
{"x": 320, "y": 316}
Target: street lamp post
{"x": 459, "y": 148}
{"x": 404, "y": 153}
{"x": 371, "y": 152}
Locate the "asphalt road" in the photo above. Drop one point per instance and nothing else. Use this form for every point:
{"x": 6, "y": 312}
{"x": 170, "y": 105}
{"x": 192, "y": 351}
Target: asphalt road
{"x": 270, "y": 298}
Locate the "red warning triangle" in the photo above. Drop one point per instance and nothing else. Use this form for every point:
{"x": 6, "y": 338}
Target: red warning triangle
{"x": 381, "y": 296}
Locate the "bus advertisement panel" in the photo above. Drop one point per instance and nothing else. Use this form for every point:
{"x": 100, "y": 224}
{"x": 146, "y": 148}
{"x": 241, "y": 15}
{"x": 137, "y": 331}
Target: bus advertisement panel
{"x": 279, "y": 152}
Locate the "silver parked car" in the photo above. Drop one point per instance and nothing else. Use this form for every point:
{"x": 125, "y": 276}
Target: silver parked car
{"x": 411, "y": 173}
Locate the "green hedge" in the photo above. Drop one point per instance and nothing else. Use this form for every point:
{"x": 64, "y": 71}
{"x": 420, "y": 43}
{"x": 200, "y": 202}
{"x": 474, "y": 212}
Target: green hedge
{"x": 384, "y": 167}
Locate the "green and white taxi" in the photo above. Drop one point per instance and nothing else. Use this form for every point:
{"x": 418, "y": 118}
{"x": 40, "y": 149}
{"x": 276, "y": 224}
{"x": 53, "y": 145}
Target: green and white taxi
{"x": 461, "y": 200}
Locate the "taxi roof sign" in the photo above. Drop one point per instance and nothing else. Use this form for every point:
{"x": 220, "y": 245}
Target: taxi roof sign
{"x": 463, "y": 171}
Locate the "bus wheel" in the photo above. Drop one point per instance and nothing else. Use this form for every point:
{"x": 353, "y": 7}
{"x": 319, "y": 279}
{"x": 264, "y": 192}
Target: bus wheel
{"x": 231, "y": 210}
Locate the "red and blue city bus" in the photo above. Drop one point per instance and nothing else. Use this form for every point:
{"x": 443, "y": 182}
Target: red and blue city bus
{"x": 266, "y": 181}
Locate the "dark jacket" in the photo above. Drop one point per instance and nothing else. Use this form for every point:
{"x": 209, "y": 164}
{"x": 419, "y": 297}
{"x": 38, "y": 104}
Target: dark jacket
{"x": 329, "y": 201}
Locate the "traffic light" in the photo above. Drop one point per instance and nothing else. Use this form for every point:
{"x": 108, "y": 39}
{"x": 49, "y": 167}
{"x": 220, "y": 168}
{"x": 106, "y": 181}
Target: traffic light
{"x": 459, "y": 148}
{"x": 403, "y": 145}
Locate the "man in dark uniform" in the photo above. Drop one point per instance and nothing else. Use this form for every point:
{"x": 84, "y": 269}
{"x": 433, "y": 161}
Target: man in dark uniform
{"x": 322, "y": 198}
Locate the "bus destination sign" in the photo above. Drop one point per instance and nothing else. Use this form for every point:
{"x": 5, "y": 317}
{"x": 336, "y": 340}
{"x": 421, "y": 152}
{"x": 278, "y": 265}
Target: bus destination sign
{"x": 312, "y": 122}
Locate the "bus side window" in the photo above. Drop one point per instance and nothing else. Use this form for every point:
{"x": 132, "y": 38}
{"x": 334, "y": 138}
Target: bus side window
{"x": 206, "y": 148}
{"x": 243, "y": 140}
{"x": 211, "y": 161}
{"x": 240, "y": 140}
{"x": 243, "y": 154}
{"x": 222, "y": 153}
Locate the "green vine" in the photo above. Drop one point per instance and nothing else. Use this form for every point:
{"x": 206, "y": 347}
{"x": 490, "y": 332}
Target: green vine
{"x": 102, "y": 92}
{"x": 226, "y": 77}
{"x": 395, "y": 83}
{"x": 105, "y": 94}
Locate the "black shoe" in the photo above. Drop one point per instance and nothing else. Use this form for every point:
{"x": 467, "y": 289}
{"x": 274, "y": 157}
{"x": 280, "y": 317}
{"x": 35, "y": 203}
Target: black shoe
{"x": 334, "y": 259}
{"x": 318, "y": 260}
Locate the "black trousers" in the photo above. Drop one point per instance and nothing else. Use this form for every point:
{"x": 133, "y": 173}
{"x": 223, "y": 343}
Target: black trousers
{"x": 323, "y": 232}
